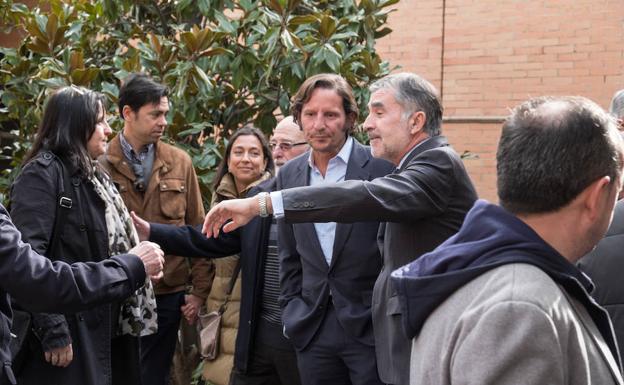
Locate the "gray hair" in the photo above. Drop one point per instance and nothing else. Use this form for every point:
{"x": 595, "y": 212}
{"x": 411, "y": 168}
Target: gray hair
{"x": 617, "y": 105}
{"x": 414, "y": 93}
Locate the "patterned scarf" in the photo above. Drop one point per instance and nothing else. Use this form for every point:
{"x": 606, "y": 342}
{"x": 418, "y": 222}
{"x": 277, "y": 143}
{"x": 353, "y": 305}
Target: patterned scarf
{"x": 137, "y": 315}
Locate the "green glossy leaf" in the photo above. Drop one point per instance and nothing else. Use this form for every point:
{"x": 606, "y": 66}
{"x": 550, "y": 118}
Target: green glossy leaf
{"x": 299, "y": 20}
{"x": 204, "y": 7}
{"x": 382, "y": 32}
{"x": 54, "y": 83}
{"x": 224, "y": 23}
{"x": 328, "y": 26}
{"x": 332, "y": 58}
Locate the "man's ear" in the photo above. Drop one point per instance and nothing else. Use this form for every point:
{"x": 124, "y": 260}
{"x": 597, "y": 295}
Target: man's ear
{"x": 127, "y": 113}
{"x": 597, "y": 195}
{"x": 350, "y": 122}
{"x": 417, "y": 121}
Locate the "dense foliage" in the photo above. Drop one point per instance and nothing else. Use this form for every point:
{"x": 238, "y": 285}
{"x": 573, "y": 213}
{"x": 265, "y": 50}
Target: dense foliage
{"x": 226, "y": 62}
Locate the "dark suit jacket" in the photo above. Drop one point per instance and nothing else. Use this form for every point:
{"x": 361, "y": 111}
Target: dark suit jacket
{"x": 604, "y": 266}
{"x": 423, "y": 204}
{"x": 307, "y": 281}
{"x": 250, "y": 242}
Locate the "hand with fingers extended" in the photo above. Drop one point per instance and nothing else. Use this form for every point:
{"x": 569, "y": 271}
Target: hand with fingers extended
{"x": 142, "y": 226}
{"x": 238, "y": 211}
{"x": 152, "y": 257}
{"x": 61, "y": 357}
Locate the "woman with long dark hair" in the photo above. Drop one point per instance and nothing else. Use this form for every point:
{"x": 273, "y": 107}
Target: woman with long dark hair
{"x": 61, "y": 177}
{"x": 247, "y": 162}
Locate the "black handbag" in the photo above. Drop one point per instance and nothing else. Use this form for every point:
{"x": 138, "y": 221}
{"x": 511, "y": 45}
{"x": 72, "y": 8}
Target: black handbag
{"x": 21, "y": 327}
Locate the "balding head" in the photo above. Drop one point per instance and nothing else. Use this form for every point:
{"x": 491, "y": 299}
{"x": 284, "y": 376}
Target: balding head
{"x": 287, "y": 141}
{"x": 551, "y": 149}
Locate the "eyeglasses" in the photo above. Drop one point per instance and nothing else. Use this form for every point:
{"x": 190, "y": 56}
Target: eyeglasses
{"x": 139, "y": 182}
{"x": 285, "y": 146}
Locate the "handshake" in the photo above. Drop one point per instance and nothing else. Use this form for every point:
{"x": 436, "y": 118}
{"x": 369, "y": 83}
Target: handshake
{"x": 152, "y": 257}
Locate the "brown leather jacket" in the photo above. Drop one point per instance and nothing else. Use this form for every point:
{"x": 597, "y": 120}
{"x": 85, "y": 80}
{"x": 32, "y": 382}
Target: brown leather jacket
{"x": 172, "y": 197}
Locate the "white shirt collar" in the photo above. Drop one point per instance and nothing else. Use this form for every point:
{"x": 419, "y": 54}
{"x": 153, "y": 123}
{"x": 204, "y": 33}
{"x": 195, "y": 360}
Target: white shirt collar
{"x": 343, "y": 154}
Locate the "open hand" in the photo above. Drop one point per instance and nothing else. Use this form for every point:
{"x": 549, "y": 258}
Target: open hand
{"x": 238, "y": 211}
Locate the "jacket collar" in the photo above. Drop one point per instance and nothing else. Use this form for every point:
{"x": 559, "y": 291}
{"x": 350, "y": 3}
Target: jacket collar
{"x": 428, "y": 144}
{"x": 114, "y": 155}
{"x": 227, "y": 187}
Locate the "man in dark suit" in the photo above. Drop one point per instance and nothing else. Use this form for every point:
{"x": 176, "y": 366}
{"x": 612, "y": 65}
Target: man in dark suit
{"x": 423, "y": 202}
{"x": 327, "y": 270}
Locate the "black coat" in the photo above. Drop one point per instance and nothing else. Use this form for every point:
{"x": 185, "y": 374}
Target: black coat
{"x": 83, "y": 238}
{"x": 604, "y": 266}
{"x": 250, "y": 242}
{"x": 41, "y": 285}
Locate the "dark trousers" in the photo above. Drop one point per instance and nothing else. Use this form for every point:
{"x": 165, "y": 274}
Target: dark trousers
{"x": 272, "y": 360}
{"x": 157, "y": 349}
{"x": 335, "y": 358}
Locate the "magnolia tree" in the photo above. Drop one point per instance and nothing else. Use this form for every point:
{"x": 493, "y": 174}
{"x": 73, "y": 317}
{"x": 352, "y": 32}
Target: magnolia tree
{"x": 227, "y": 63}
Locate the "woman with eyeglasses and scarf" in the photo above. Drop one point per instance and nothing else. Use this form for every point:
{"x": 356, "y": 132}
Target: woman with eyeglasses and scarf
{"x": 97, "y": 346}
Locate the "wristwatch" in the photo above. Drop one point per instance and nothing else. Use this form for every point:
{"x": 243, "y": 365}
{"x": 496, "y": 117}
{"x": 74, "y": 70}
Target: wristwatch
{"x": 262, "y": 202}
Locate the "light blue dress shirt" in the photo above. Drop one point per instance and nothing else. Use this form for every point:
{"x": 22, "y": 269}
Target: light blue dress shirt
{"x": 336, "y": 171}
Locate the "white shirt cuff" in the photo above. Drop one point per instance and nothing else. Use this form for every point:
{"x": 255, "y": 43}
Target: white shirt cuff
{"x": 278, "y": 204}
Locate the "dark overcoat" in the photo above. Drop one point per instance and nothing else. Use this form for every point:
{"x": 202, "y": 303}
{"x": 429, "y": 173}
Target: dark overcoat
{"x": 83, "y": 238}
{"x": 250, "y": 242}
{"x": 46, "y": 286}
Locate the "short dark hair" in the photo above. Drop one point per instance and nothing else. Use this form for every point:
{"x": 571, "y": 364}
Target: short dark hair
{"x": 414, "y": 93}
{"x": 139, "y": 89}
{"x": 329, "y": 82}
{"x": 551, "y": 149}
{"x": 247, "y": 130}
{"x": 69, "y": 119}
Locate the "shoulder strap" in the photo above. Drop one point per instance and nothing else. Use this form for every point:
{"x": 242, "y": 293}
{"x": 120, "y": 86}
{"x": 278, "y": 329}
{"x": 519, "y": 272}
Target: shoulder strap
{"x": 64, "y": 204}
{"x": 230, "y": 286}
{"x": 234, "y": 277}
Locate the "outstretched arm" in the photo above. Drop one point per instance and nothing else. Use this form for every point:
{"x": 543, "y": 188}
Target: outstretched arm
{"x": 232, "y": 214}
{"x": 42, "y": 285}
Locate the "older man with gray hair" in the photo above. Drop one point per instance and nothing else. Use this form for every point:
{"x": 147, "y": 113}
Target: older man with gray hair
{"x": 605, "y": 263}
{"x": 420, "y": 205}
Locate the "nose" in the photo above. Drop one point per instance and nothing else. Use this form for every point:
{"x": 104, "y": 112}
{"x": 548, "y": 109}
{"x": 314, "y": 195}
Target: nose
{"x": 319, "y": 121}
{"x": 163, "y": 120}
{"x": 107, "y": 129}
{"x": 368, "y": 125}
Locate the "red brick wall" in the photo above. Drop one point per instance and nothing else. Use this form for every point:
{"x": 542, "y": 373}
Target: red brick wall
{"x": 492, "y": 54}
